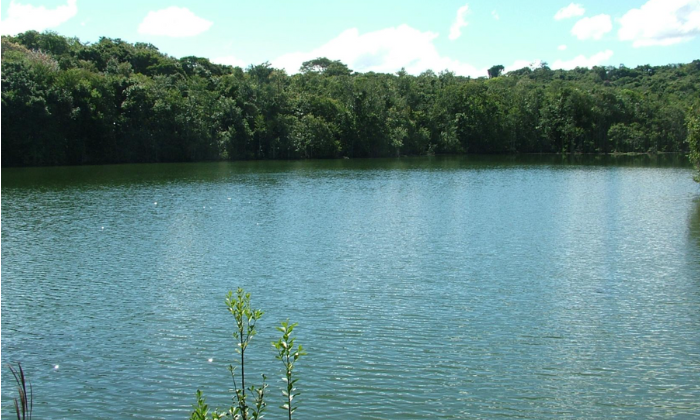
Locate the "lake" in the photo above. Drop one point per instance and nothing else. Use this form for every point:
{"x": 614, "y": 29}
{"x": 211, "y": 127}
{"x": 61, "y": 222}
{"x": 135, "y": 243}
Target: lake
{"x": 444, "y": 287}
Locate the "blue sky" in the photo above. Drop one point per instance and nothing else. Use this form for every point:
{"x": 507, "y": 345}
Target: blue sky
{"x": 466, "y": 37}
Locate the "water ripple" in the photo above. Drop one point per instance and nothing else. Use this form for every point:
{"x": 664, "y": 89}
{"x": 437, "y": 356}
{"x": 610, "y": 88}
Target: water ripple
{"x": 425, "y": 290}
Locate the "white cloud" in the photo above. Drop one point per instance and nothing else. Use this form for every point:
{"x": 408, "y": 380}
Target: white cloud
{"x": 383, "y": 51}
{"x": 579, "y": 61}
{"x": 592, "y": 28}
{"x": 562, "y": 47}
{"x": 661, "y": 22}
{"x": 23, "y": 17}
{"x": 519, "y": 64}
{"x": 459, "y": 23}
{"x": 495, "y": 15}
{"x": 176, "y": 22}
{"x": 582, "y": 61}
{"x": 230, "y": 60}
{"x": 570, "y": 11}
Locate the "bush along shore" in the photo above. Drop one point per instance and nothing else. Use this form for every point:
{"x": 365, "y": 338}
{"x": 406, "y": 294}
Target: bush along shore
{"x": 65, "y": 102}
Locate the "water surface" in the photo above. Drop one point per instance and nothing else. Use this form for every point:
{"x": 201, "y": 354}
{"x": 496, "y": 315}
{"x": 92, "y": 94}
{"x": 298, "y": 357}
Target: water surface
{"x": 478, "y": 287}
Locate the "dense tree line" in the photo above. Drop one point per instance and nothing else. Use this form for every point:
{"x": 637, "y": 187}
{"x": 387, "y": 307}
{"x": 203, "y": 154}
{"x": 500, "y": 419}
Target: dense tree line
{"x": 694, "y": 139}
{"x": 67, "y": 102}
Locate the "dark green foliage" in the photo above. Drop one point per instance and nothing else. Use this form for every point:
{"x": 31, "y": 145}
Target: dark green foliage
{"x": 64, "y": 102}
{"x": 694, "y": 139}
{"x": 325, "y": 66}
{"x": 495, "y": 71}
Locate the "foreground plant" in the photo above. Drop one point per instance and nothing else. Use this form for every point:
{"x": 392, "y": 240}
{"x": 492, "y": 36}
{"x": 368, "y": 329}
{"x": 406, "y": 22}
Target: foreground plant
{"x": 25, "y": 401}
{"x": 246, "y": 319}
{"x": 201, "y": 410}
{"x": 289, "y": 356}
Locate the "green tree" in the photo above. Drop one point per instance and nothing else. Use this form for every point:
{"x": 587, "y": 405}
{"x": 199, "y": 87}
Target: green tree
{"x": 64, "y": 102}
{"x": 325, "y": 66}
{"x": 313, "y": 137}
{"x": 626, "y": 138}
{"x": 495, "y": 71}
{"x": 694, "y": 139}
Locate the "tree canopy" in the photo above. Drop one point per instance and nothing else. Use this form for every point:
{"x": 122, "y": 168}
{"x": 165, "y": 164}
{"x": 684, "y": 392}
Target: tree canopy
{"x": 68, "y": 102}
{"x": 694, "y": 139}
{"x": 495, "y": 71}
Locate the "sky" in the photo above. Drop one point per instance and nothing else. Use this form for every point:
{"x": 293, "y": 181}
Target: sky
{"x": 465, "y": 37}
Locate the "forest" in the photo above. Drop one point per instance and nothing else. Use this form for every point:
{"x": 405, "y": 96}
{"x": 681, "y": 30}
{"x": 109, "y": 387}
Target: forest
{"x": 65, "y": 102}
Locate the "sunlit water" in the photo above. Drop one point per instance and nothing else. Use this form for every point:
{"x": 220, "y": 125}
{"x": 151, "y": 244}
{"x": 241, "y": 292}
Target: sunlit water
{"x": 424, "y": 288}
